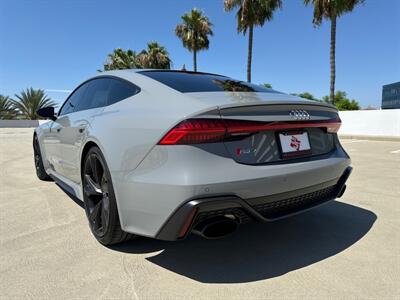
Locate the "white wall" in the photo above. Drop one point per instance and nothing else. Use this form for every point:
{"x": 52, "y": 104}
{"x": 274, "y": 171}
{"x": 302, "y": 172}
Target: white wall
{"x": 378, "y": 123}
{"x": 18, "y": 123}
{"x": 21, "y": 123}
{"x": 371, "y": 122}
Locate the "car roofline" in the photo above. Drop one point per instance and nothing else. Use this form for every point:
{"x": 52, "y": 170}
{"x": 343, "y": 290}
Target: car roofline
{"x": 174, "y": 71}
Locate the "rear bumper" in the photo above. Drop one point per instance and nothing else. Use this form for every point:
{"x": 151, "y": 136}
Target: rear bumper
{"x": 169, "y": 177}
{"x": 261, "y": 209}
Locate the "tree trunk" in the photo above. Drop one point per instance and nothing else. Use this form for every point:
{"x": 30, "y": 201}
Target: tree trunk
{"x": 249, "y": 55}
{"x": 332, "y": 58}
{"x": 195, "y": 60}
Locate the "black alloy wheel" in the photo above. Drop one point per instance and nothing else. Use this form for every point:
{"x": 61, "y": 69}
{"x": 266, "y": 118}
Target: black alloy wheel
{"x": 99, "y": 198}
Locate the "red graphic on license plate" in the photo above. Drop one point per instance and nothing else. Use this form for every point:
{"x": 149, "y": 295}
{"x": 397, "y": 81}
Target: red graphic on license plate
{"x": 295, "y": 143}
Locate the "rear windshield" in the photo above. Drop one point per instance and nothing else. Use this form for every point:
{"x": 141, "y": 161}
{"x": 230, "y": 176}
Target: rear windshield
{"x": 190, "y": 82}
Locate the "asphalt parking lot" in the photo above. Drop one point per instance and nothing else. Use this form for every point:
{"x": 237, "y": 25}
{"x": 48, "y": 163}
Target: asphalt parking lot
{"x": 345, "y": 249}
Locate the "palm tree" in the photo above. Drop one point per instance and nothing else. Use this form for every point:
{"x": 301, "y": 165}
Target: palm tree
{"x": 252, "y": 13}
{"x": 154, "y": 57}
{"x": 121, "y": 59}
{"x": 6, "y": 108}
{"x": 29, "y": 101}
{"x": 194, "y": 32}
{"x": 331, "y": 9}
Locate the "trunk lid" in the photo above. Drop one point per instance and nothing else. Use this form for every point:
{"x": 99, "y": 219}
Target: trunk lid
{"x": 294, "y": 126}
{"x": 236, "y": 99}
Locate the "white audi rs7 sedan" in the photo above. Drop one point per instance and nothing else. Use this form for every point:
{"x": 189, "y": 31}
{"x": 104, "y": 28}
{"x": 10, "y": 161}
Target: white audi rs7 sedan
{"x": 164, "y": 154}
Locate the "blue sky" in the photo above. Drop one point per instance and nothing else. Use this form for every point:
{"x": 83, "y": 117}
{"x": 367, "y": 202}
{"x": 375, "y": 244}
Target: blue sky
{"x": 54, "y": 45}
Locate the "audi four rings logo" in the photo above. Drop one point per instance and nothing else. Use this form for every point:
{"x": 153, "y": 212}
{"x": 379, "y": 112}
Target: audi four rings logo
{"x": 299, "y": 114}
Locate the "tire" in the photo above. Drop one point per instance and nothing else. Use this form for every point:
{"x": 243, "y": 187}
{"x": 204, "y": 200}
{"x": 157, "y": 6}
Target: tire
{"x": 37, "y": 156}
{"x": 99, "y": 198}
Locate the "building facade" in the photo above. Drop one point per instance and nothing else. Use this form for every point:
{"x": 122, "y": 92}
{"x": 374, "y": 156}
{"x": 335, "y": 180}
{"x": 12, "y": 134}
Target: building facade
{"x": 391, "y": 96}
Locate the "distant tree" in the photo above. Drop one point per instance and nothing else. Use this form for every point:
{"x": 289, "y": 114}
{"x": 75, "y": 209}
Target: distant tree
{"x": 29, "y": 101}
{"x": 331, "y": 10}
{"x": 251, "y": 13}
{"x": 267, "y": 85}
{"x": 154, "y": 57}
{"x": 342, "y": 102}
{"x": 7, "y": 111}
{"x": 121, "y": 59}
{"x": 194, "y": 32}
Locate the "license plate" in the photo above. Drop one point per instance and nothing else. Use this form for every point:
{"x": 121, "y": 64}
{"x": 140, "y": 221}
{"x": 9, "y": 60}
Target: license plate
{"x": 295, "y": 143}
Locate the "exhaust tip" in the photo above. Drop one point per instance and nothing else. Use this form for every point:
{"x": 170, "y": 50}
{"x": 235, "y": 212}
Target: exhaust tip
{"x": 217, "y": 227}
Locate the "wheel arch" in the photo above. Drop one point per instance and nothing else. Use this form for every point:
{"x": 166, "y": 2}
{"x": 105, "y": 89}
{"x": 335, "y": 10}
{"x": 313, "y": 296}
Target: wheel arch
{"x": 89, "y": 144}
{"x": 43, "y": 153}
{"x": 33, "y": 136}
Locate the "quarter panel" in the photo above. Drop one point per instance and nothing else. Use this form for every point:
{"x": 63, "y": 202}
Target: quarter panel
{"x": 129, "y": 129}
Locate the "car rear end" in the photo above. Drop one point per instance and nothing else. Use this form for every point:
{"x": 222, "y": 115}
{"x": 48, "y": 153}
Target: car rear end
{"x": 256, "y": 157}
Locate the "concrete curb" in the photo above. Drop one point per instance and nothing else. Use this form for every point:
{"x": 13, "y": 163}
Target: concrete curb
{"x": 370, "y": 137}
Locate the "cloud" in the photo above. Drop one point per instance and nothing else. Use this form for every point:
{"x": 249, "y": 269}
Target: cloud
{"x": 58, "y": 91}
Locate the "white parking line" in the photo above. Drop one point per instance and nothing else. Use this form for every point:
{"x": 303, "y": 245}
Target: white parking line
{"x": 395, "y": 151}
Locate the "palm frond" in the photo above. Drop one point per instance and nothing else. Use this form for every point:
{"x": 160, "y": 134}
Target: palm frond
{"x": 327, "y": 9}
{"x": 120, "y": 59}
{"x": 252, "y": 12}
{"x": 30, "y": 101}
{"x": 194, "y": 30}
{"x": 154, "y": 57}
{"x": 6, "y": 108}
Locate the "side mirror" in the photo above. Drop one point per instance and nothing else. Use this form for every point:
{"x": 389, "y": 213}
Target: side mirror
{"x": 47, "y": 112}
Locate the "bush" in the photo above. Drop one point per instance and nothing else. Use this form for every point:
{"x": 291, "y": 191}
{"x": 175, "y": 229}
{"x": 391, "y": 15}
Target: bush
{"x": 342, "y": 102}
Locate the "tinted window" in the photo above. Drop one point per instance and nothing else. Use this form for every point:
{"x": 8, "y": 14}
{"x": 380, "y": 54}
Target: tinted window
{"x": 73, "y": 100}
{"x": 190, "y": 82}
{"x": 120, "y": 90}
{"x": 96, "y": 94}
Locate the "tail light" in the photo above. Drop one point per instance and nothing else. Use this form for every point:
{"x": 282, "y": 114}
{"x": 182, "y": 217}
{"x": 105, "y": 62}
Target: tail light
{"x": 200, "y": 131}
{"x": 195, "y": 131}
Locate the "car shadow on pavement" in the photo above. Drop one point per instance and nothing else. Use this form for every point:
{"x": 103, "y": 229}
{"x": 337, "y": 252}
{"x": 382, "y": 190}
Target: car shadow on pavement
{"x": 261, "y": 251}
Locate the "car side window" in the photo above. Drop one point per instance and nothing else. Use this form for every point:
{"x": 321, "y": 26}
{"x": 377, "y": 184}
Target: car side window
{"x": 120, "y": 90}
{"x": 73, "y": 100}
{"x": 96, "y": 94}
